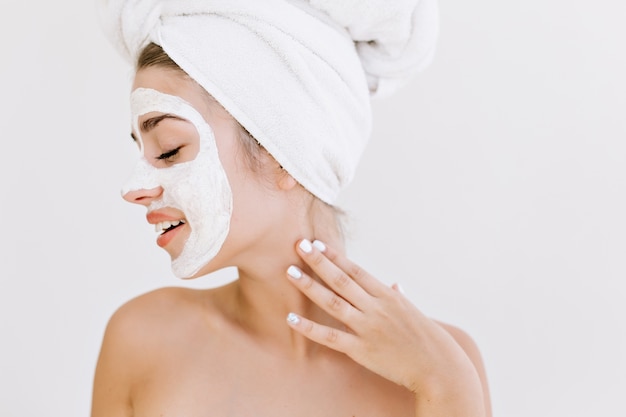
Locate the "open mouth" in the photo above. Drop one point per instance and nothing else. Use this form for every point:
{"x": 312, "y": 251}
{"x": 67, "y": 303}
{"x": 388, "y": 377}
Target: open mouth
{"x": 167, "y": 226}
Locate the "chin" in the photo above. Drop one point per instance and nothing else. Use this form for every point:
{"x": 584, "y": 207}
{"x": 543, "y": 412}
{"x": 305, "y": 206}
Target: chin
{"x": 208, "y": 268}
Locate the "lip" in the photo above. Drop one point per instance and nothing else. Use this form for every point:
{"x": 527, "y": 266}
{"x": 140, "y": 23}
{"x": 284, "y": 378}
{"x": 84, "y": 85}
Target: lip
{"x": 158, "y": 216}
{"x": 167, "y": 237}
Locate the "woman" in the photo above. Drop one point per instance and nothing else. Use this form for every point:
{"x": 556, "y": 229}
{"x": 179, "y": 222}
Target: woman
{"x": 250, "y": 118}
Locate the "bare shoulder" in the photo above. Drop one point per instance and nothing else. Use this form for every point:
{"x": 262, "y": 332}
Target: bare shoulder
{"x": 155, "y": 320}
{"x": 464, "y": 340}
{"x": 467, "y": 343}
{"x": 138, "y": 318}
{"x": 135, "y": 337}
{"x": 159, "y": 304}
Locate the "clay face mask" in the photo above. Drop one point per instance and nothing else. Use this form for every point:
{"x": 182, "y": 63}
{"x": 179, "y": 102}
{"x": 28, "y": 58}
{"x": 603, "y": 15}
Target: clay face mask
{"x": 199, "y": 188}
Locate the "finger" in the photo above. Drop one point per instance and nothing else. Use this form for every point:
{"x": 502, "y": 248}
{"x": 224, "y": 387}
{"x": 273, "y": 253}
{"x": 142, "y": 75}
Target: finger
{"x": 396, "y": 286}
{"x": 337, "y": 279}
{"x": 324, "y": 335}
{"x": 326, "y": 299}
{"x": 366, "y": 281}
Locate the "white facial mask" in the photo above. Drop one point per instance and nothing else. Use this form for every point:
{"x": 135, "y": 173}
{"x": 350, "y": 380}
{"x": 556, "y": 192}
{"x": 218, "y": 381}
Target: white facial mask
{"x": 199, "y": 188}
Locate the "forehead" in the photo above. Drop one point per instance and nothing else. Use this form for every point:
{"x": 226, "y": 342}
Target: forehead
{"x": 173, "y": 83}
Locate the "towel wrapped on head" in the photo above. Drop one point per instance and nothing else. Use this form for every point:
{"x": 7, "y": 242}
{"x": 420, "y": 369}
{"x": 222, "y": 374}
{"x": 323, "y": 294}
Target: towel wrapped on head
{"x": 297, "y": 74}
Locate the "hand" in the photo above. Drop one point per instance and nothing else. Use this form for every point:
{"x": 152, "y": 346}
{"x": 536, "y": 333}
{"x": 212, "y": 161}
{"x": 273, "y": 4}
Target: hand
{"x": 384, "y": 331}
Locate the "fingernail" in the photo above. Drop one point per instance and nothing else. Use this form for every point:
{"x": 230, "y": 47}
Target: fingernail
{"x": 292, "y": 318}
{"x": 319, "y": 245}
{"x": 305, "y": 246}
{"x": 294, "y": 272}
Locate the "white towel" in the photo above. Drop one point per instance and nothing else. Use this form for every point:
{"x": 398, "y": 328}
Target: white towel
{"x": 296, "y": 74}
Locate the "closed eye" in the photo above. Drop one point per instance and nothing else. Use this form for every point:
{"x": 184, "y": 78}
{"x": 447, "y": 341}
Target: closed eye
{"x": 169, "y": 154}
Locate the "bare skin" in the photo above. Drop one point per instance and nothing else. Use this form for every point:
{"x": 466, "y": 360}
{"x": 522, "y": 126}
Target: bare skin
{"x": 230, "y": 351}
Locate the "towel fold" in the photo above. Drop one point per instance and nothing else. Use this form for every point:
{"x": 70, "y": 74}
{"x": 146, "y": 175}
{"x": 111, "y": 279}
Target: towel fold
{"x": 296, "y": 74}
{"x": 394, "y": 38}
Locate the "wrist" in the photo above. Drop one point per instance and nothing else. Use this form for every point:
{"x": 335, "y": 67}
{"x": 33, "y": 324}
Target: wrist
{"x": 457, "y": 393}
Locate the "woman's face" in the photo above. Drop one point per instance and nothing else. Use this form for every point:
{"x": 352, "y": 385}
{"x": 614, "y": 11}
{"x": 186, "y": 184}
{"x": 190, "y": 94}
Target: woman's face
{"x": 190, "y": 171}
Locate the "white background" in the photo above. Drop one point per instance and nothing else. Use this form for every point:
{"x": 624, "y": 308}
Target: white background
{"x": 493, "y": 189}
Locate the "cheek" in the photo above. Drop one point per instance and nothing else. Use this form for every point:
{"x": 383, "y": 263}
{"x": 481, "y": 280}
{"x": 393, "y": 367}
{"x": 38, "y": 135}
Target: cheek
{"x": 233, "y": 161}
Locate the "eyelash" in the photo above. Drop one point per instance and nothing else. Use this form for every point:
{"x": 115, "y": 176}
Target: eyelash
{"x": 169, "y": 154}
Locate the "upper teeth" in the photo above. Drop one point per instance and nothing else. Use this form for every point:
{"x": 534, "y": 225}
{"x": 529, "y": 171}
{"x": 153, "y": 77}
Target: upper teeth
{"x": 160, "y": 227}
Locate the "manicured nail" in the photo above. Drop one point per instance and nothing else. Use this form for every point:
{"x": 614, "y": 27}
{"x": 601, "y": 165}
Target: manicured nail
{"x": 292, "y": 318}
{"x": 294, "y": 272}
{"x": 305, "y": 246}
{"x": 319, "y": 245}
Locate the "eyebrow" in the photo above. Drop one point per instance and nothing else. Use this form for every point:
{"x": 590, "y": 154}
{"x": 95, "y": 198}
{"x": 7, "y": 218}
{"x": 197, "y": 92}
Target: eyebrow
{"x": 149, "y": 124}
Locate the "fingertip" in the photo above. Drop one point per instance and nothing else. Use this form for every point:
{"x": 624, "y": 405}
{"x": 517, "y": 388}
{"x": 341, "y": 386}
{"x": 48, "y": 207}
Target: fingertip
{"x": 293, "y": 319}
{"x": 398, "y": 288}
{"x": 305, "y": 246}
{"x": 319, "y": 245}
{"x": 294, "y": 272}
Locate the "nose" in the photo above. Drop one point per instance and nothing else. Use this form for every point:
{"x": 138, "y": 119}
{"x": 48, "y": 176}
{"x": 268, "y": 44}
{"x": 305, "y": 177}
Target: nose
{"x": 143, "y": 186}
{"x": 143, "y": 196}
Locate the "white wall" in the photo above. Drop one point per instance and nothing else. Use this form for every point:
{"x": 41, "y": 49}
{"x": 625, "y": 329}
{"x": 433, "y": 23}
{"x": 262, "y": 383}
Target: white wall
{"x": 493, "y": 189}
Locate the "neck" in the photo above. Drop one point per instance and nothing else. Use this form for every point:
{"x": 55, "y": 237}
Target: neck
{"x": 263, "y": 296}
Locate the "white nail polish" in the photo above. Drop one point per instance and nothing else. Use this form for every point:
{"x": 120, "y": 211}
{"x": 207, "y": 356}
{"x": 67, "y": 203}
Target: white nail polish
{"x": 305, "y": 246}
{"x": 293, "y": 318}
{"x": 319, "y": 245}
{"x": 294, "y": 272}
